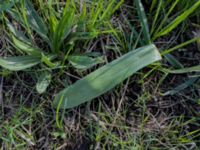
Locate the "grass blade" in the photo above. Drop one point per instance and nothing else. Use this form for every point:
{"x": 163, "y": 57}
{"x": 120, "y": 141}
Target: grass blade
{"x": 173, "y": 61}
{"x": 180, "y": 46}
{"x": 185, "y": 70}
{"x": 110, "y": 9}
{"x": 153, "y": 4}
{"x": 182, "y": 86}
{"x": 143, "y": 21}
{"x": 63, "y": 29}
{"x": 166, "y": 17}
{"x": 106, "y": 78}
{"x": 156, "y": 16}
{"x": 178, "y": 20}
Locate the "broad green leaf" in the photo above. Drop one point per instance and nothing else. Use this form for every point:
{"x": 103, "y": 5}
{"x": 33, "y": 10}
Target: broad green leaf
{"x": 143, "y": 21}
{"x": 43, "y": 82}
{"x": 17, "y": 33}
{"x": 20, "y": 41}
{"x": 29, "y": 18}
{"x": 29, "y": 49}
{"x": 34, "y": 20}
{"x": 178, "y": 20}
{"x": 19, "y": 62}
{"x": 106, "y": 78}
{"x": 84, "y": 62}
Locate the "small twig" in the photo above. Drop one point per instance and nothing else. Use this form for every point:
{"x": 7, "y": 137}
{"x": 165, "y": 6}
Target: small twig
{"x": 1, "y": 91}
{"x": 122, "y": 99}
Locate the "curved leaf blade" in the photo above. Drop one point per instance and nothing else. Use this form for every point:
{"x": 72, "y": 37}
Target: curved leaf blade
{"x": 143, "y": 21}
{"x": 106, "y": 78}
{"x": 84, "y": 62}
{"x": 19, "y": 63}
{"x": 35, "y": 20}
{"x": 29, "y": 49}
{"x": 17, "y": 33}
{"x": 182, "y": 86}
{"x": 184, "y": 70}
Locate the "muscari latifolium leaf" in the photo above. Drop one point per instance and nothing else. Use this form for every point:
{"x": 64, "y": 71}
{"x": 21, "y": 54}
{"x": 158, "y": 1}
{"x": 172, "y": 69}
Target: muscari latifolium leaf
{"x": 106, "y": 77}
{"x": 17, "y": 63}
{"x": 84, "y": 62}
{"x": 43, "y": 82}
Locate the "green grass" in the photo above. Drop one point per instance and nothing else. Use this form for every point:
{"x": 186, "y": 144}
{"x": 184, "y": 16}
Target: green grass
{"x": 48, "y": 46}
